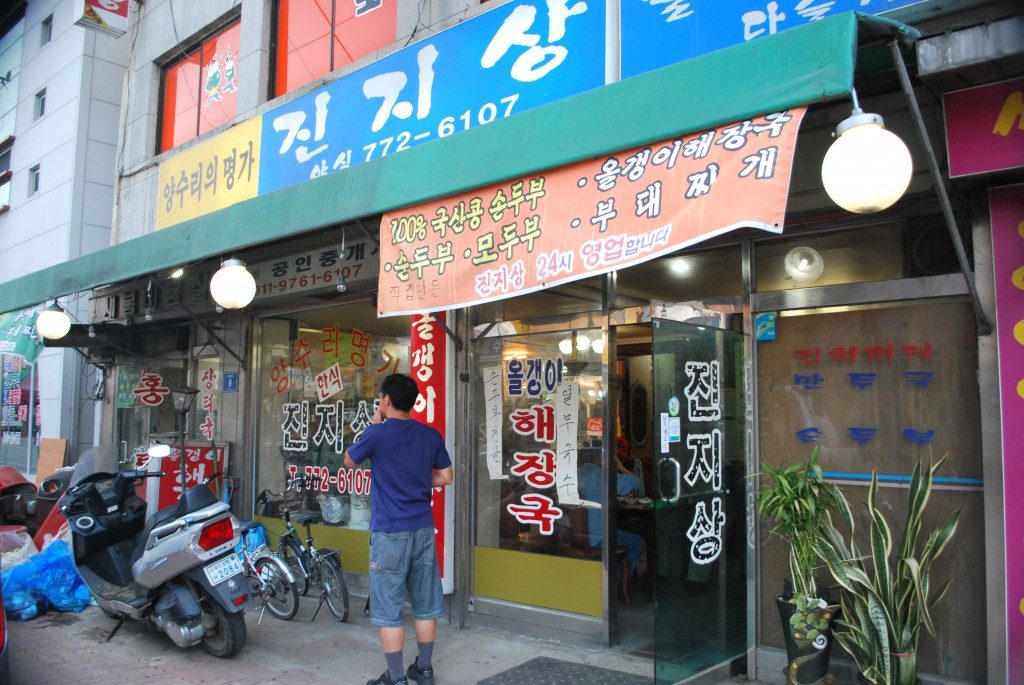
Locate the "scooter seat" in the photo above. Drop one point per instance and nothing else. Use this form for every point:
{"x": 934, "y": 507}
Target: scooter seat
{"x": 160, "y": 517}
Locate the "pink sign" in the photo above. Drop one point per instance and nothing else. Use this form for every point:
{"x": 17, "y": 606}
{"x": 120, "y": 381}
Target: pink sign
{"x": 1007, "y": 208}
{"x": 985, "y": 127}
{"x": 328, "y": 382}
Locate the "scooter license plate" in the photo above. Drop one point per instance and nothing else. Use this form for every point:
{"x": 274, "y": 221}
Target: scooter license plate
{"x": 221, "y": 570}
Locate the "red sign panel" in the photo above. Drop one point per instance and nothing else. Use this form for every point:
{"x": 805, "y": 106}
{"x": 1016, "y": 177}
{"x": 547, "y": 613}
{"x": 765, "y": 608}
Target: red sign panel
{"x": 985, "y": 127}
{"x": 201, "y": 461}
{"x": 428, "y": 348}
{"x": 588, "y": 218}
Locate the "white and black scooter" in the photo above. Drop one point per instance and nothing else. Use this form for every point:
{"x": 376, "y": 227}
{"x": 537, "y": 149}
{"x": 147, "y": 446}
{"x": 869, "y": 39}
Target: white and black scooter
{"x": 177, "y": 569}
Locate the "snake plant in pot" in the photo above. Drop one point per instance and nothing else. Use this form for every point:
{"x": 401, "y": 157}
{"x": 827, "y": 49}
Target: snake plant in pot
{"x": 797, "y": 502}
{"x": 887, "y": 594}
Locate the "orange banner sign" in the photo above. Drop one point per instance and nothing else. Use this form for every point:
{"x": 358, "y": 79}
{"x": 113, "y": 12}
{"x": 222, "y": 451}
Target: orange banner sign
{"x": 588, "y": 218}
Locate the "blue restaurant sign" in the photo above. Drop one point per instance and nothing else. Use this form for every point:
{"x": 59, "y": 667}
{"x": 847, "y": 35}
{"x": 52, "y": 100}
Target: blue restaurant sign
{"x": 502, "y": 62}
{"x": 656, "y": 33}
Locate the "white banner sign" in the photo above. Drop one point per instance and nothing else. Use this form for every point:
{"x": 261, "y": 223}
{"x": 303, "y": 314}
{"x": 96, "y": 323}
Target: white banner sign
{"x": 492, "y": 422}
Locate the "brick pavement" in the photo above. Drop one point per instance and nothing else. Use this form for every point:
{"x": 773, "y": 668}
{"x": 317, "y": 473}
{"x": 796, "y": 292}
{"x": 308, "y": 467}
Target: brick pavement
{"x": 68, "y": 649}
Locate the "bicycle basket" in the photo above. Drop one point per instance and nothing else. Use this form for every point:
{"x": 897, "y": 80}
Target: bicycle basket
{"x": 255, "y": 537}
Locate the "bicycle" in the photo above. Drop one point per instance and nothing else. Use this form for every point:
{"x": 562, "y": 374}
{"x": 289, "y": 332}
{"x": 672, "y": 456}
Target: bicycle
{"x": 310, "y": 564}
{"x": 270, "y": 578}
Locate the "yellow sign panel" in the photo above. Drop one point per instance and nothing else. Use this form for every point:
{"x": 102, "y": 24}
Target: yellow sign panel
{"x": 212, "y": 175}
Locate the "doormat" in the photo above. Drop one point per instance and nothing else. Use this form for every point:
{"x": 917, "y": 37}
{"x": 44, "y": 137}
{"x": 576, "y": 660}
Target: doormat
{"x": 547, "y": 671}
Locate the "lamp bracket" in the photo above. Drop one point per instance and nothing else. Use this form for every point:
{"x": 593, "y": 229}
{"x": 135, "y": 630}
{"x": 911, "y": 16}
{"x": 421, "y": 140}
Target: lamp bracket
{"x": 205, "y": 327}
{"x": 984, "y": 325}
{"x": 858, "y": 118}
{"x": 448, "y": 332}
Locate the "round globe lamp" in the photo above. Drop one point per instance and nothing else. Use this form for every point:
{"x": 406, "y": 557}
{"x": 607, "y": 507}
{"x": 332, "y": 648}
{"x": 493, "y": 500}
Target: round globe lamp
{"x": 867, "y": 168}
{"x": 233, "y": 287}
{"x": 53, "y": 322}
{"x": 804, "y": 264}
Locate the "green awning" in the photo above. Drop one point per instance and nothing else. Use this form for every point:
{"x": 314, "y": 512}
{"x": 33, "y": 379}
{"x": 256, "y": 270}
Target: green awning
{"x": 804, "y": 65}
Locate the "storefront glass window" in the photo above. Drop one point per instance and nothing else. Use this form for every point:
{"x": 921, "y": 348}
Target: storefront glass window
{"x": 879, "y": 388}
{"x": 528, "y": 427}
{"x": 907, "y": 249}
{"x": 21, "y": 418}
{"x": 319, "y": 375}
{"x": 144, "y": 404}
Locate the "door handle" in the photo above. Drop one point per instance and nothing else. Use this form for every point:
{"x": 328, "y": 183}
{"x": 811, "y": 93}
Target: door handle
{"x": 679, "y": 479}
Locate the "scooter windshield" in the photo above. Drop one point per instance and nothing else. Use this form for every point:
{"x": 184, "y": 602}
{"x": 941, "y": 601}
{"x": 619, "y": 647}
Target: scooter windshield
{"x": 99, "y": 459}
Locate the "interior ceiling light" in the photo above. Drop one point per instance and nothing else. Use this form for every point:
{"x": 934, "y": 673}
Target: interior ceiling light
{"x": 867, "y": 168}
{"x": 178, "y": 273}
{"x": 804, "y": 264}
{"x": 53, "y": 322}
{"x": 679, "y": 266}
{"x": 232, "y": 287}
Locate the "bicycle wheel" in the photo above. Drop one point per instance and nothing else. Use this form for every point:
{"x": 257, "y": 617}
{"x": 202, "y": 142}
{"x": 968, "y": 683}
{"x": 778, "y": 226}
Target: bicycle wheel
{"x": 280, "y": 594}
{"x": 289, "y": 550}
{"x": 332, "y": 584}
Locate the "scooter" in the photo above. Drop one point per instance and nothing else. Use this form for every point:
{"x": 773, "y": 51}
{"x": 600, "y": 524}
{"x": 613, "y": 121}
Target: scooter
{"x": 178, "y": 569}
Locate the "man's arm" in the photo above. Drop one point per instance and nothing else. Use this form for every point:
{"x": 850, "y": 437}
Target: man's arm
{"x": 348, "y": 461}
{"x": 441, "y": 477}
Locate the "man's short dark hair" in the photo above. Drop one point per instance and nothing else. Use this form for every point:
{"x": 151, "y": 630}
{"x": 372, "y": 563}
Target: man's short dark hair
{"x": 401, "y": 389}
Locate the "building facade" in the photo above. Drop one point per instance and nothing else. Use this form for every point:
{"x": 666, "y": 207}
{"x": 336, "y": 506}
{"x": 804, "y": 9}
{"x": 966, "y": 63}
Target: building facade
{"x": 502, "y": 200}
{"x": 61, "y": 94}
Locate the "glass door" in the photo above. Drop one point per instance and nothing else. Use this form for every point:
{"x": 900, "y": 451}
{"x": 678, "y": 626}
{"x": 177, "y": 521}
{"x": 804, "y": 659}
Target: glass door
{"x": 698, "y": 442}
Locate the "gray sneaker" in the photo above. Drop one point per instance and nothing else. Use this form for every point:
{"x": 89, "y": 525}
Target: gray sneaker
{"x": 423, "y": 676}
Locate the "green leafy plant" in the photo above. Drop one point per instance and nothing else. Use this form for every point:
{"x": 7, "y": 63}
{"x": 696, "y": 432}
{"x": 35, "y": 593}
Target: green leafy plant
{"x": 887, "y": 597}
{"x": 797, "y": 501}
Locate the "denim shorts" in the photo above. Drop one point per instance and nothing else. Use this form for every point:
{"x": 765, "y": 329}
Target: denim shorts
{"x": 404, "y": 565}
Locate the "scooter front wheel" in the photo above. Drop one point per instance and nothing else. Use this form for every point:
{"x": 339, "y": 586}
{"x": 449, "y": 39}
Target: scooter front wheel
{"x": 223, "y": 632}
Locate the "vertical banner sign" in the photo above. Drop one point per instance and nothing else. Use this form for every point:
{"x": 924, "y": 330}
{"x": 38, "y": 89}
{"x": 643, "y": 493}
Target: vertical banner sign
{"x": 492, "y": 422}
{"x": 1007, "y": 207}
{"x": 106, "y": 16}
{"x": 428, "y": 355}
{"x": 588, "y": 218}
{"x": 567, "y": 418}
{"x": 704, "y": 447}
{"x": 985, "y": 128}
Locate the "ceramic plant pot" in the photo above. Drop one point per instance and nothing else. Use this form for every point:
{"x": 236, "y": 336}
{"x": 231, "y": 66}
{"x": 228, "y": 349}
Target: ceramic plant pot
{"x": 809, "y": 651}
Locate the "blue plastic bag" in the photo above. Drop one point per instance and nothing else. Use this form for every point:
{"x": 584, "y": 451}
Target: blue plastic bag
{"x": 253, "y": 539}
{"x": 49, "y": 574}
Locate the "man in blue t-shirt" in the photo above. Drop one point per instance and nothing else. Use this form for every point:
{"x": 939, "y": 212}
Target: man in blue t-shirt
{"x": 408, "y": 459}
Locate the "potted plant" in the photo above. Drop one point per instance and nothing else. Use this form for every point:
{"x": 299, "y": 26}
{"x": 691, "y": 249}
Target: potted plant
{"x": 887, "y": 597}
{"x": 797, "y": 501}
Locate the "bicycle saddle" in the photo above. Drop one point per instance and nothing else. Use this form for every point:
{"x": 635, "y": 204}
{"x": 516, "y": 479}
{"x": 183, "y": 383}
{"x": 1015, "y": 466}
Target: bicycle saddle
{"x": 309, "y": 517}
